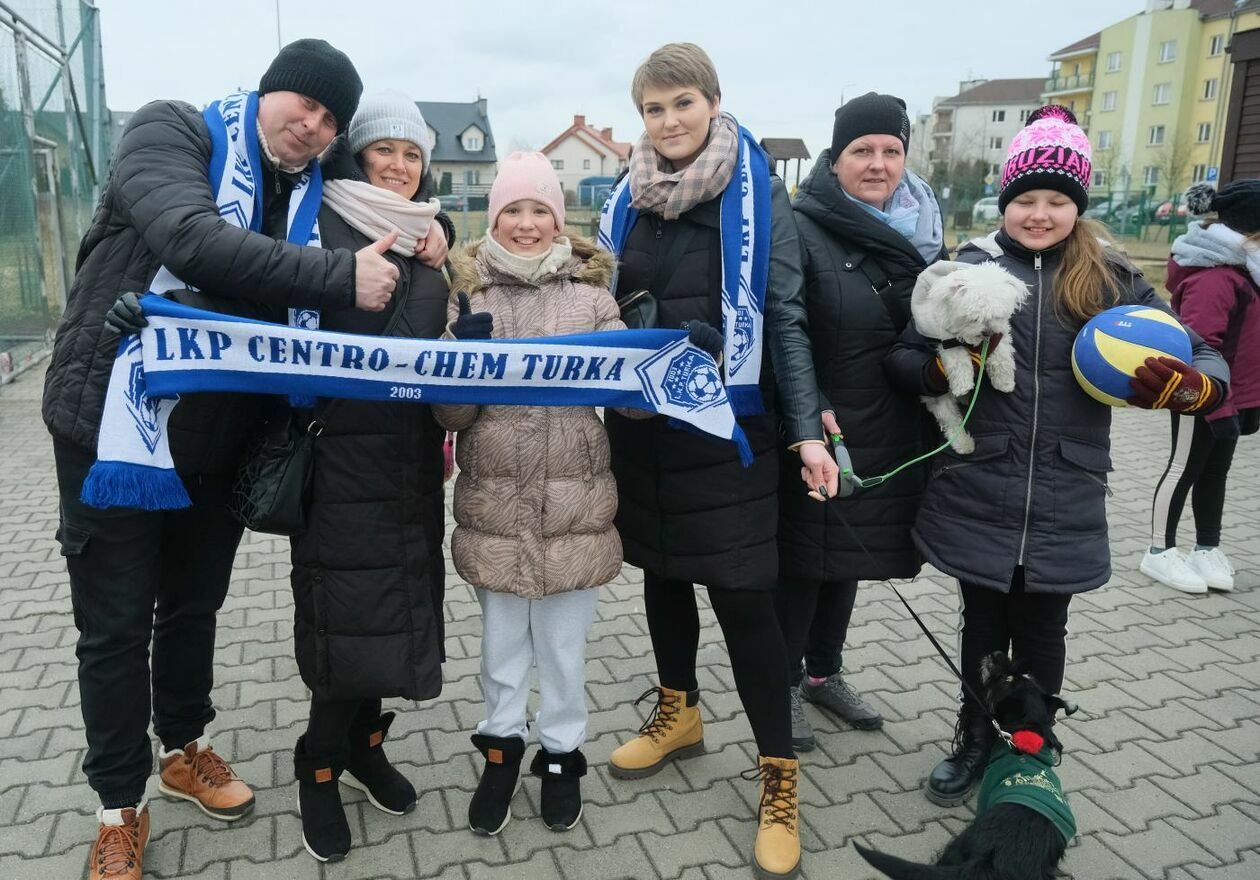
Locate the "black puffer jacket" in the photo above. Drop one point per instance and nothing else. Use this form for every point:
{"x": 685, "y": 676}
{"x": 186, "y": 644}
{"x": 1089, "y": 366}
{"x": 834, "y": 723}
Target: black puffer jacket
{"x": 368, "y": 574}
{"x": 1033, "y": 491}
{"x": 847, "y": 252}
{"x": 687, "y": 509}
{"x": 157, "y": 209}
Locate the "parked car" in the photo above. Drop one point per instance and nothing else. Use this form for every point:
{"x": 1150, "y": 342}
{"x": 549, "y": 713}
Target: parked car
{"x": 985, "y": 212}
{"x": 1115, "y": 210}
{"x": 1164, "y": 212}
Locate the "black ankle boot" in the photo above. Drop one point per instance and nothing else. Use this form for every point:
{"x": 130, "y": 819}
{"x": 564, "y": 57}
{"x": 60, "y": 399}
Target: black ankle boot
{"x": 561, "y": 777}
{"x": 368, "y": 770}
{"x": 953, "y": 779}
{"x": 491, "y": 806}
{"x": 325, "y": 832}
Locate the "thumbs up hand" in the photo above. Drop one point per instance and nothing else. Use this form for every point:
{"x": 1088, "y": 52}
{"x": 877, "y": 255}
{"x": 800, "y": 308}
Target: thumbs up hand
{"x": 470, "y": 324}
{"x": 374, "y": 276}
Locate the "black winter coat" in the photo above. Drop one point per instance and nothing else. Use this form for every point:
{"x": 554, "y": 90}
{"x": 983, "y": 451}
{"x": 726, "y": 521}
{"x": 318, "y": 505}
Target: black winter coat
{"x": 687, "y": 509}
{"x": 157, "y": 209}
{"x": 368, "y": 574}
{"x": 1033, "y": 491}
{"x": 848, "y": 252}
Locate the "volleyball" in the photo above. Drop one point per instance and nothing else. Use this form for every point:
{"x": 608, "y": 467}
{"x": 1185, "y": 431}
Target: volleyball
{"x": 1114, "y": 343}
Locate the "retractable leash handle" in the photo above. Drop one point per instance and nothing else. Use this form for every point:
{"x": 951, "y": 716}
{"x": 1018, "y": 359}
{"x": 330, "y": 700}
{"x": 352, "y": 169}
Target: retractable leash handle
{"x": 849, "y": 481}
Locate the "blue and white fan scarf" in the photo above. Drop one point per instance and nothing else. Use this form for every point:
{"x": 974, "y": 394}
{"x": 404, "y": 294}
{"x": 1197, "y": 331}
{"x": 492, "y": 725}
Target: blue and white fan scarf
{"x": 188, "y": 350}
{"x": 143, "y": 471}
{"x": 745, "y": 235}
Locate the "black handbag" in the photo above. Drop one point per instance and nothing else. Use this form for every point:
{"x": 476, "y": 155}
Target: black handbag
{"x": 638, "y": 308}
{"x": 273, "y": 483}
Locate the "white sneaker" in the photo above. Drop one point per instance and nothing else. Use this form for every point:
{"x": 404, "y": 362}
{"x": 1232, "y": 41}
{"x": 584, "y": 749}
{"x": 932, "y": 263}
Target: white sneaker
{"x": 1170, "y": 568}
{"x": 1213, "y": 566}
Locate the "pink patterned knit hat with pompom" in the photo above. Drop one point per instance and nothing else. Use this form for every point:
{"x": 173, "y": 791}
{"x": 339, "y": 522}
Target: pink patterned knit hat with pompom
{"x": 526, "y": 176}
{"x": 1050, "y": 152}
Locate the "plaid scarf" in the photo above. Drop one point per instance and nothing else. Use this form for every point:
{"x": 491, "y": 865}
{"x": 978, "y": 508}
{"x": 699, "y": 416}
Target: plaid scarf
{"x": 657, "y": 188}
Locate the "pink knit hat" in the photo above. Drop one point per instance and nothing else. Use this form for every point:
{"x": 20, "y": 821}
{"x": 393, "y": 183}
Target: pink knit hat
{"x": 1050, "y": 152}
{"x": 527, "y": 176}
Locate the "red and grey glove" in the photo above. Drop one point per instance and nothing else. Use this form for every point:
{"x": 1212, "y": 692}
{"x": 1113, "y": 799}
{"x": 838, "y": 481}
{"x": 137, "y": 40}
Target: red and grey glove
{"x": 1167, "y": 383}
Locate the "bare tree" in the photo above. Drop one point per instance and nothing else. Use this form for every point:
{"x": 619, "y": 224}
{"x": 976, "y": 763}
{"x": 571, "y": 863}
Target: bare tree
{"x": 1171, "y": 160}
{"x": 521, "y": 145}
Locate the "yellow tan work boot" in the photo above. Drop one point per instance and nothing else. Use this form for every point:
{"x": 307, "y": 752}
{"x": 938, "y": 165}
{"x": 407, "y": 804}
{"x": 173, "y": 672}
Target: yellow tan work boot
{"x": 777, "y": 854}
{"x": 118, "y": 853}
{"x": 199, "y": 774}
{"x": 672, "y": 730}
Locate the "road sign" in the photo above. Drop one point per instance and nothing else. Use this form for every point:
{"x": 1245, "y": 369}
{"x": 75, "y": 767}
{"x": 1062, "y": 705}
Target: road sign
{"x": 1212, "y": 174}
{"x": 989, "y": 179}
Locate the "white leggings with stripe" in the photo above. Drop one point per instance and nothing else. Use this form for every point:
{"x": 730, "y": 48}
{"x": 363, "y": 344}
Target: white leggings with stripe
{"x": 1198, "y": 466}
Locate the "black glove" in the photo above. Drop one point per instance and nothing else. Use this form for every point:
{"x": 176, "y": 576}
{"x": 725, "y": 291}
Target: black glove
{"x": 1228, "y": 428}
{"x": 705, "y": 337}
{"x": 125, "y": 316}
{"x": 469, "y": 325}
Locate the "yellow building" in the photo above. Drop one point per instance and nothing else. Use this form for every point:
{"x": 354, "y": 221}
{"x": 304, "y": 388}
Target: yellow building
{"x": 1152, "y": 92}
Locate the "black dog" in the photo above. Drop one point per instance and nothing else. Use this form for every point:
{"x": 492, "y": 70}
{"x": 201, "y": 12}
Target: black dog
{"x": 1015, "y": 837}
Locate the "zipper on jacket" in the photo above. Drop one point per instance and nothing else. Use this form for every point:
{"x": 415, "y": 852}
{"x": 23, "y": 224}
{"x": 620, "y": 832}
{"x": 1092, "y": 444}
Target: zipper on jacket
{"x": 1032, "y": 440}
{"x": 276, "y": 172}
{"x": 1100, "y": 481}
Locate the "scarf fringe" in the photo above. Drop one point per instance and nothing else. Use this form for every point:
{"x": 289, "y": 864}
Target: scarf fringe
{"x": 123, "y": 484}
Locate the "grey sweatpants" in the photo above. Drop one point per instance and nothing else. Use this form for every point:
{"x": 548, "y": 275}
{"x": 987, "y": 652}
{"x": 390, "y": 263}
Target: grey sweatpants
{"x": 518, "y": 634}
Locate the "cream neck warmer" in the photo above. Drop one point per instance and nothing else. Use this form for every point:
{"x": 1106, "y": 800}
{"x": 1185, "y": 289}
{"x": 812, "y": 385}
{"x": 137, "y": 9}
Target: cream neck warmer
{"x": 527, "y": 269}
{"x": 271, "y": 157}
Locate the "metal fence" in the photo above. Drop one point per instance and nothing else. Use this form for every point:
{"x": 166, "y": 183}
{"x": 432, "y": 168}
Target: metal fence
{"x": 54, "y": 137}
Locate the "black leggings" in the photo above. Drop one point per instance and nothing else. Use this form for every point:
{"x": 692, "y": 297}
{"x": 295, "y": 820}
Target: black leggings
{"x": 814, "y": 616}
{"x": 753, "y": 640}
{"x": 1032, "y": 627}
{"x": 1200, "y": 462}
{"x": 328, "y": 729}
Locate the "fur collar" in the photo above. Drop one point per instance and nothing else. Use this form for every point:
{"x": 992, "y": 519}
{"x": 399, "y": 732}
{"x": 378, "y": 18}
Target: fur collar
{"x": 588, "y": 265}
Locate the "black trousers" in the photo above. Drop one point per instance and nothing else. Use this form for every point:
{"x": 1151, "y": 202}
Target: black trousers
{"x": 136, "y": 577}
{"x": 753, "y": 640}
{"x": 814, "y": 616}
{"x": 1197, "y": 466}
{"x": 1031, "y": 627}
{"x": 330, "y": 723}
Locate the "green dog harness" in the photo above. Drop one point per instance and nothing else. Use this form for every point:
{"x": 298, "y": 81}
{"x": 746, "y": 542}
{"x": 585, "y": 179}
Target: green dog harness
{"x": 1028, "y": 780}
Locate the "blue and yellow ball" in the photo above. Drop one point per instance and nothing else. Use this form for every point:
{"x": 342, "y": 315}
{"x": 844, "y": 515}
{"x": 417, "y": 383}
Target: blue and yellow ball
{"x": 1114, "y": 343}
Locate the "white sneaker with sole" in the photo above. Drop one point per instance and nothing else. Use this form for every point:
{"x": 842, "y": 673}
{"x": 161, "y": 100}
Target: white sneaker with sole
{"x": 1170, "y": 568}
{"x": 1213, "y": 566}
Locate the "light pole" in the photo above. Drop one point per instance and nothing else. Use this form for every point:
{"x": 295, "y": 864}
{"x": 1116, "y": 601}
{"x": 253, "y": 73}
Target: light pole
{"x": 842, "y": 88}
{"x": 279, "y": 45}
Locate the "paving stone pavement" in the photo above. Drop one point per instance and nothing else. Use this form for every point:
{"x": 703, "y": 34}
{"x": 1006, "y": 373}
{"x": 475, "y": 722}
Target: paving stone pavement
{"x": 1162, "y": 763}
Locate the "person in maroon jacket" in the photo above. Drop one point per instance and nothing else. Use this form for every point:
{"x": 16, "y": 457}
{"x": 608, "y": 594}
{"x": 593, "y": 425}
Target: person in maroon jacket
{"x": 1214, "y": 278}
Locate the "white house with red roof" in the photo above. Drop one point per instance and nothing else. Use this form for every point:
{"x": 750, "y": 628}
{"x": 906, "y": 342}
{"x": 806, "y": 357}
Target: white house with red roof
{"x": 583, "y": 151}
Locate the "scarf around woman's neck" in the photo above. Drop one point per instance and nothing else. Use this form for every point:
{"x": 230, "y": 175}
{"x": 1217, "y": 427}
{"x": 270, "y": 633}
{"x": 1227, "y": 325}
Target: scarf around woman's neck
{"x": 376, "y": 212}
{"x": 912, "y": 211}
{"x": 744, "y": 231}
{"x": 1204, "y": 246}
{"x": 658, "y": 189}
{"x": 526, "y": 268}
{"x": 133, "y": 461}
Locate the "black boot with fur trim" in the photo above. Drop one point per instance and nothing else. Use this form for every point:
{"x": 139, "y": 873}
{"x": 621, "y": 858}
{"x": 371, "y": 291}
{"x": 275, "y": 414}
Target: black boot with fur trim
{"x": 561, "y": 777}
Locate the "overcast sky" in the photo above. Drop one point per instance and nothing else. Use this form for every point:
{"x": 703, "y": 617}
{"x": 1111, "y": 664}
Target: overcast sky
{"x": 784, "y": 64}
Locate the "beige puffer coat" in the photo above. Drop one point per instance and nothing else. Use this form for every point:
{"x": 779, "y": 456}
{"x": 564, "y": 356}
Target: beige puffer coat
{"x": 535, "y": 496}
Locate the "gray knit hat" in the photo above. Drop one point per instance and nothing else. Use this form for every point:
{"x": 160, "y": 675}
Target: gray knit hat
{"x": 389, "y": 115}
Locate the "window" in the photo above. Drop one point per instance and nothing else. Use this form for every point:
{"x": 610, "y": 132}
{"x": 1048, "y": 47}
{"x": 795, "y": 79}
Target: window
{"x": 1205, "y": 133}
{"x": 995, "y": 168}
{"x": 1151, "y": 175}
{"x": 1104, "y": 140}
{"x": 1209, "y": 89}
{"x": 1199, "y": 174}
{"x": 1167, "y": 51}
{"x": 1113, "y": 62}
{"x": 999, "y": 115}
{"x": 1100, "y": 178}
{"x": 586, "y": 164}
{"x": 1109, "y": 100}
{"x": 995, "y": 143}
{"x": 557, "y": 164}
{"x": 1162, "y": 91}
{"x": 472, "y": 143}
{"x": 1156, "y": 138}
{"x": 1217, "y": 45}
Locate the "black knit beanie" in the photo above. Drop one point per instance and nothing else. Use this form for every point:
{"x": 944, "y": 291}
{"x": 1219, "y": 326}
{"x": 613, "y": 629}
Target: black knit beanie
{"x": 869, "y": 114}
{"x": 315, "y": 69}
{"x": 1237, "y": 203}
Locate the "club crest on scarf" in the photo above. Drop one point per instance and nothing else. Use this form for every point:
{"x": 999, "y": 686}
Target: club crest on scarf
{"x": 692, "y": 382}
{"x": 143, "y": 410}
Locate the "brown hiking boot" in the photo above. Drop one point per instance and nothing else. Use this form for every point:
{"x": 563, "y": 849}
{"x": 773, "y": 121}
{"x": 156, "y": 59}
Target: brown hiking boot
{"x": 118, "y": 852}
{"x": 777, "y": 854}
{"x": 672, "y": 730}
{"x": 199, "y": 774}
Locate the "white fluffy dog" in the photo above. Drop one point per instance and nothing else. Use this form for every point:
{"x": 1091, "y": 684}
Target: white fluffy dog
{"x": 966, "y": 302}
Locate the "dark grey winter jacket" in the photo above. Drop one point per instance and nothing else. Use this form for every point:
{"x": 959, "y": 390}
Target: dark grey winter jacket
{"x": 157, "y": 209}
{"x": 1033, "y": 491}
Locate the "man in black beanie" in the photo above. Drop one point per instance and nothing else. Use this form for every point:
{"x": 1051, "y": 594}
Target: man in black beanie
{"x": 160, "y": 576}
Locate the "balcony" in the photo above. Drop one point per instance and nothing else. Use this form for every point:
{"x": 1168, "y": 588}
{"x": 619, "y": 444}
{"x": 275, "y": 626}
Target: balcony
{"x": 1061, "y": 85}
